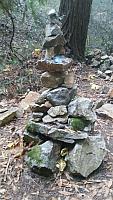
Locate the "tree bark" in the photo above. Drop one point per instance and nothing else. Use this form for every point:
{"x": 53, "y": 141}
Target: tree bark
{"x": 75, "y": 24}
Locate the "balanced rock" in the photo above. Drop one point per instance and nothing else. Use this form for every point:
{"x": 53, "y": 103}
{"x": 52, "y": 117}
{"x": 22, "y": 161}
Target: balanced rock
{"x": 82, "y": 107}
{"x": 50, "y": 81}
{"x": 42, "y": 158}
{"x": 57, "y": 111}
{"x": 61, "y": 96}
{"x": 87, "y": 156}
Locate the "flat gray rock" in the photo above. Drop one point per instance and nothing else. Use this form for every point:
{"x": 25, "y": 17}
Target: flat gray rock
{"x": 8, "y": 116}
{"x": 82, "y": 107}
{"x": 60, "y": 119}
{"x": 67, "y": 135}
{"x": 57, "y": 111}
{"x": 87, "y": 156}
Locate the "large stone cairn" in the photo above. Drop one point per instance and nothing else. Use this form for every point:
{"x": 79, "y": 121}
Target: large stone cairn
{"x": 62, "y": 124}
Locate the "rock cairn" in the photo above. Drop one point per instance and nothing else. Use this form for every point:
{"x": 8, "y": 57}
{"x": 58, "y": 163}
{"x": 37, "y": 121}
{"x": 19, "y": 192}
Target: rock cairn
{"x": 62, "y": 124}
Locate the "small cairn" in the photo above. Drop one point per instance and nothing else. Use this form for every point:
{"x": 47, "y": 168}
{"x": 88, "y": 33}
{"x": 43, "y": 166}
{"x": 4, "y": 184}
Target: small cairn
{"x": 62, "y": 124}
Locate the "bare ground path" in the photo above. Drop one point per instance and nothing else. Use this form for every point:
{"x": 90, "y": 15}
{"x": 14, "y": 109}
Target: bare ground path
{"x": 18, "y": 183}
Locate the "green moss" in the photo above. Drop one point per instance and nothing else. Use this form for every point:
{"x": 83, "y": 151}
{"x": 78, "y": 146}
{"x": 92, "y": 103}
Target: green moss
{"x": 79, "y": 123}
{"x": 35, "y": 155}
{"x": 30, "y": 127}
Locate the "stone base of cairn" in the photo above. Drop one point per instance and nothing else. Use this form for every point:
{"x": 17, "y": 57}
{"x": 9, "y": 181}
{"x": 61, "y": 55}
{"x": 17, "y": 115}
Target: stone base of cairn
{"x": 62, "y": 126}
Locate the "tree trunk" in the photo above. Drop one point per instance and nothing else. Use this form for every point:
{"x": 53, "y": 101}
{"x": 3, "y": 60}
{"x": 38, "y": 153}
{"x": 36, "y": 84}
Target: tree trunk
{"x": 75, "y": 24}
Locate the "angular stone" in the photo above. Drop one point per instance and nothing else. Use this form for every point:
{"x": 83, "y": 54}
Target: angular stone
{"x": 42, "y": 97}
{"x": 67, "y": 136}
{"x": 30, "y": 98}
{"x": 41, "y": 108}
{"x": 42, "y": 158}
{"x": 106, "y": 110}
{"x": 87, "y": 156}
{"x": 82, "y": 107}
{"x": 49, "y": 119}
{"x": 54, "y": 41}
{"x": 8, "y": 116}
{"x": 29, "y": 137}
{"x": 37, "y": 128}
{"x": 38, "y": 115}
{"x": 95, "y": 63}
{"x": 61, "y": 96}
{"x": 57, "y": 111}
{"x": 105, "y": 57}
{"x": 50, "y": 81}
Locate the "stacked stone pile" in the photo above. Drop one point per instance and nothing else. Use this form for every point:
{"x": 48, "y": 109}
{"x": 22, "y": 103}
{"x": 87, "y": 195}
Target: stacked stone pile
{"x": 62, "y": 124}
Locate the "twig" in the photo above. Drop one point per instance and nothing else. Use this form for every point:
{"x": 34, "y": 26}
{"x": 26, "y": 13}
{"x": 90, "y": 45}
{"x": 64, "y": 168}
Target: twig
{"x": 6, "y": 170}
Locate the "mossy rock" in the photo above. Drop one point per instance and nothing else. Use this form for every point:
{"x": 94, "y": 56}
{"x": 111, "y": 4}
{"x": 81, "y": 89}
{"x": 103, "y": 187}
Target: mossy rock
{"x": 34, "y": 156}
{"x": 42, "y": 158}
{"x": 79, "y": 123}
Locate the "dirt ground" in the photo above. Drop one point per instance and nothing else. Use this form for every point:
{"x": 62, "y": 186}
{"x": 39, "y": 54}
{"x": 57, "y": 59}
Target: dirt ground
{"x": 18, "y": 182}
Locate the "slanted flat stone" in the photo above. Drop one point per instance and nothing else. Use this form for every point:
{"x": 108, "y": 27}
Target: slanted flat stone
{"x": 37, "y": 128}
{"x": 57, "y": 111}
{"x": 87, "y": 156}
{"x": 82, "y": 107}
{"x": 67, "y": 136}
{"x": 42, "y": 158}
{"x": 61, "y": 96}
{"x": 30, "y": 98}
{"x": 106, "y": 110}
{"x": 8, "y": 116}
{"x": 49, "y": 119}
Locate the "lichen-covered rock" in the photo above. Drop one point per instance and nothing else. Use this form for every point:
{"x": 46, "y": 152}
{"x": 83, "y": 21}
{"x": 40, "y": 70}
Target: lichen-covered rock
{"x": 61, "y": 96}
{"x": 57, "y": 111}
{"x": 42, "y": 158}
{"x": 86, "y": 156}
{"x": 37, "y": 128}
{"x": 82, "y": 107}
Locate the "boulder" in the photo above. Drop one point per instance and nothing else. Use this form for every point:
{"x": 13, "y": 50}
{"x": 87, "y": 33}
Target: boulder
{"x": 86, "y": 156}
{"x": 8, "y": 116}
{"x": 42, "y": 158}
{"x": 61, "y": 96}
{"x": 57, "y": 111}
{"x": 106, "y": 110}
{"x": 82, "y": 107}
{"x": 50, "y": 81}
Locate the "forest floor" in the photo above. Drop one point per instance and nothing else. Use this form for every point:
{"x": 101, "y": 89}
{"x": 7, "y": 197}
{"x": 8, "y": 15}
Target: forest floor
{"x": 18, "y": 182}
